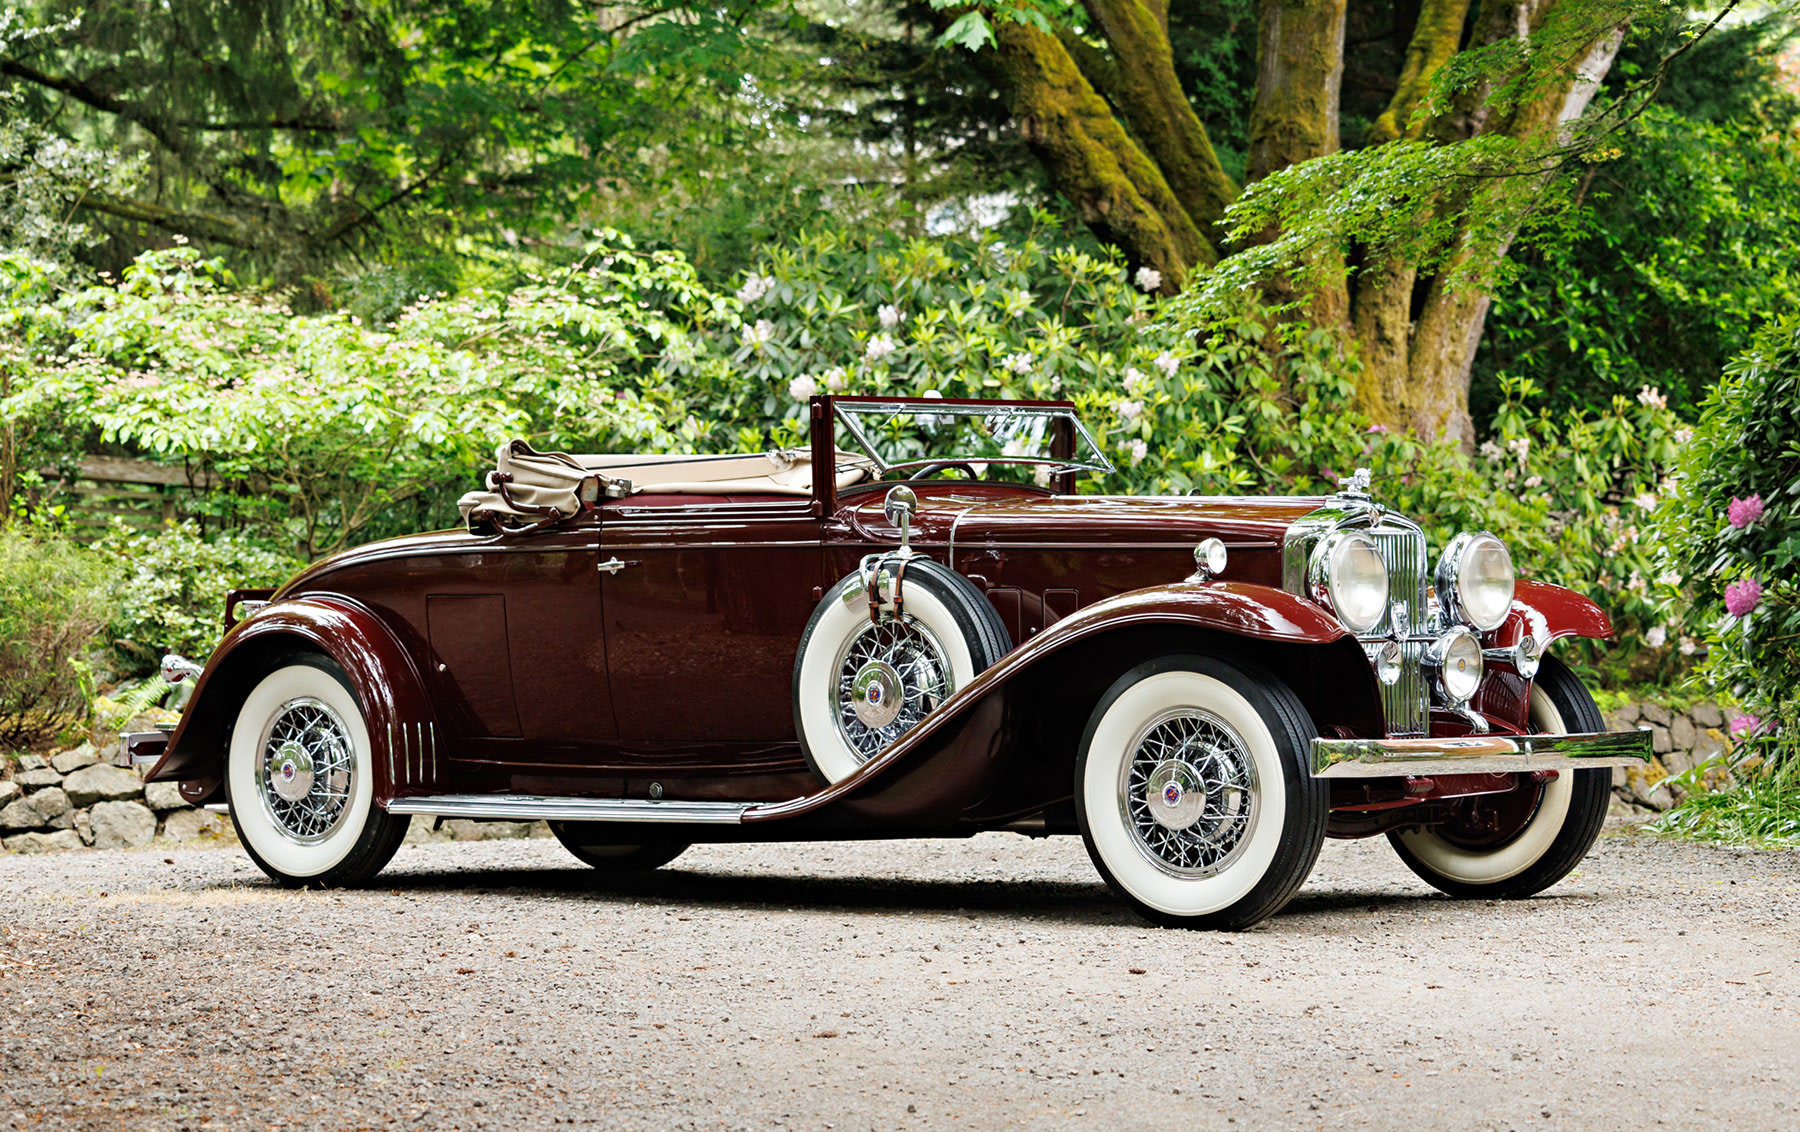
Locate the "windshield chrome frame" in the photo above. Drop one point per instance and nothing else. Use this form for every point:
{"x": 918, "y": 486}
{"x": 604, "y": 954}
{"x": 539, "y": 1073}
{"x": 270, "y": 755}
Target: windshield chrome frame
{"x": 930, "y": 407}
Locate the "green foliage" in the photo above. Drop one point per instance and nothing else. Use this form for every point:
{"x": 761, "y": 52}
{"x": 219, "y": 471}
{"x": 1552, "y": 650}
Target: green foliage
{"x": 52, "y": 603}
{"x": 171, "y": 596}
{"x": 1745, "y": 446}
{"x": 1761, "y": 807}
{"x": 326, "y": 427}
{"x": 1691, "y": 244}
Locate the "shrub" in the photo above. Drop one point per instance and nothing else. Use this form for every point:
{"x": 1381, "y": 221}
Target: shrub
{"x": 1733, "y": 530}
{"x": 171, "y": 594}
{"x": 52, "y": 605}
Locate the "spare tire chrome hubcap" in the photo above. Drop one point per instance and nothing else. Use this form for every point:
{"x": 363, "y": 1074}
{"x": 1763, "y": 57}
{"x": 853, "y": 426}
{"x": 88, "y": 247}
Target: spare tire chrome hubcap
{"x": 876, "y": 695}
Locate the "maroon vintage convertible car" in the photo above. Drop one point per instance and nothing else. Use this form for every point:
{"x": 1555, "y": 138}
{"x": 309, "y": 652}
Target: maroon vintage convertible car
{"x": 924, "y": 632}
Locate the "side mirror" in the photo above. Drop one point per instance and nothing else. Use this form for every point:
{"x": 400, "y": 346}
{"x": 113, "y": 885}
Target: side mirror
{"x": 900, "y": 506}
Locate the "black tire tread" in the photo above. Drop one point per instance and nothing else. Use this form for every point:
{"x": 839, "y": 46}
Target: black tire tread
{"x": 1591, "y": 799}
{"x": 656, "y": 850}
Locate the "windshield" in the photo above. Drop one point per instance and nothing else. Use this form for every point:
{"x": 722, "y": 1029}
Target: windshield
{"x": 1037, "y": 439}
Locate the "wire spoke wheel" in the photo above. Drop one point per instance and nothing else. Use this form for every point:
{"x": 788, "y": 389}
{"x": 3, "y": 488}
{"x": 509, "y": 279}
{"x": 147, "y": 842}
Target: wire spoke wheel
{"x": 304, "y": 769}
{"x": 889, "y": 677}
{"x": 1189, "y": 793}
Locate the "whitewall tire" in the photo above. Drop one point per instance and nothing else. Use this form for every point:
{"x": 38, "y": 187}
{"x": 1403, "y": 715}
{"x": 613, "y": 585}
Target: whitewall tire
{"x": 859, "y": 686}
{"x": 300, "y": 779}
{"x": 1193, "y": 794}
{"x": 1560, "y": 825}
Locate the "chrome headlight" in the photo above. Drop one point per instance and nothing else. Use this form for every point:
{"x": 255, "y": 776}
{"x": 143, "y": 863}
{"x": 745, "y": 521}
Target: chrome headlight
{"x": 1347, "y": 573}
{"x": 1475, "y": 580}
{"x": 1454, "y": 660}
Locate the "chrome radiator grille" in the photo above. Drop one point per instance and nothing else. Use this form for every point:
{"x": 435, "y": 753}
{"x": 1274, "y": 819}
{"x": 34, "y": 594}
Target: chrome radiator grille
{"x": 1407, "y": 701}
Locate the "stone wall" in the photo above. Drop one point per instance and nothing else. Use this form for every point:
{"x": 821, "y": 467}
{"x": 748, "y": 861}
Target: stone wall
{"x": 1682, "y": 738}
{"x": 74, "y": 798}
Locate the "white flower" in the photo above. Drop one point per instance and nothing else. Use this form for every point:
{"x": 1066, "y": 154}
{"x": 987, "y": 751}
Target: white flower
{"x": 835, "y": 379}
{"x": 1651, "y": 397}
{"x": 1635, "y": 582}
{"x": 1056, "y": 384}
{"x": 756, "y": 337}
{"x": 890, "y": 316}
{"x": 1018, "y": 363}
{"x": 1657, "y": 636}
{"x": 1669, "y": 578}
{"x": 755, "y": 287}
{"x": 1138, "y": 450}
{"x": 1533, "y": 481}
{"x": 1017, "y": 447}
{"x": 1148, "y": 278}
{"x": 1521, "y": 448}
{"x": 1136, "y": 380}
{"x": 879, "y": 347}
{"x": 1167, "y": 362}
{"x": 1040, "y": 475}
{"x": 1130, "y": 410}
{"x": 933, "y": 394}
{"x": 1645, "y": 501}
{"x": 802, "y": 387}
{"x": 1688, "y": 647}
{"x": 1683, "y": 435}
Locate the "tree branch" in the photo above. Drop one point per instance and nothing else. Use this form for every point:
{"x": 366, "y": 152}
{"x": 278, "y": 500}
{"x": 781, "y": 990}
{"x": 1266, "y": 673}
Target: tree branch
{"x": 86, "y": 92}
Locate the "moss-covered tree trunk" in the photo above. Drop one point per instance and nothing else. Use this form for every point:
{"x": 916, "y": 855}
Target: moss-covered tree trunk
{"x": 1120, "y": 139}
{"x": 1122, "y": 193}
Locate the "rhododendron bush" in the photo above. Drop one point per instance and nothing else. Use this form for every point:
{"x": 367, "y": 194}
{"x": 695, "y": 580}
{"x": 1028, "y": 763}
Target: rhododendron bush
{"x": 1734, "y": 531}
{"x": 324, "y": 430}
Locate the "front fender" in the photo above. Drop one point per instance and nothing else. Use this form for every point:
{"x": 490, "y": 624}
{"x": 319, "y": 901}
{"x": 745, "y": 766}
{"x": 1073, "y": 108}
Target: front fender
{"x": 396, "y": 707}
{"x": 935, "y": 755}
{"x": 1550, "y": 612}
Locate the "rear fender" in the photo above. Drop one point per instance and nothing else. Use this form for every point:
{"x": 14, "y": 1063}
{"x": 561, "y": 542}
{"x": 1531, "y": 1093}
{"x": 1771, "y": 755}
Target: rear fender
{"x": 396, "y": 708}
{"x": 1025, "y": 714}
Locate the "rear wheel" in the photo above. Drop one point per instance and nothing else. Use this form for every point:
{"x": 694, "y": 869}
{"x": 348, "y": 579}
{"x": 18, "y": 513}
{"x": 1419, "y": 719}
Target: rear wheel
{"x": 1515, "y": 845}
{"x": 300, "y": 780}
{"x": 1193, "y": 792}
{"x": 600, "y": 845}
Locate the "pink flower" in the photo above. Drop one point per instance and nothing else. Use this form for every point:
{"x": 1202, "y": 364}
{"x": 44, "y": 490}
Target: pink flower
{"x": 1741, "y": 597}
{"x": 1378, "y": 428}
{"x": 1743, "y": 512}
{"x": 1746, "y": 725}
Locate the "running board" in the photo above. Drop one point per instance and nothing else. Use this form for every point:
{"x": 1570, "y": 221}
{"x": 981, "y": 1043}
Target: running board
{"x": 517, "y": 807}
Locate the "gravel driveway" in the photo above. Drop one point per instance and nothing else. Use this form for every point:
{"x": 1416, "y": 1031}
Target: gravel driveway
{"x": 987, "y": 983}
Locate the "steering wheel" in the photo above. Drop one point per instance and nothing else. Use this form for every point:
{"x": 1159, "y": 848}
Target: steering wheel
{"x": 939, "y": 465}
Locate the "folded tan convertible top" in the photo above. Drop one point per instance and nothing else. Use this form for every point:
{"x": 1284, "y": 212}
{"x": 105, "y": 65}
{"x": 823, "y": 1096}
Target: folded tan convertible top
{"x": 526, "y": 484}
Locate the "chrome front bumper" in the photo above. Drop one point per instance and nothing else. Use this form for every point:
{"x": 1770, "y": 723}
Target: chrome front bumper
{"x": 1477, "y": 754}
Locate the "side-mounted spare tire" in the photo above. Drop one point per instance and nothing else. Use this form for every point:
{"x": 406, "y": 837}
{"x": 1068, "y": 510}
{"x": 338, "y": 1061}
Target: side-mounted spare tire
{"x": 858, "y": 685}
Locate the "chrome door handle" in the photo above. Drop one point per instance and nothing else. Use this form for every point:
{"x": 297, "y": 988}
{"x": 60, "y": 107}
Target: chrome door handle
{"x": 614, "y": 565}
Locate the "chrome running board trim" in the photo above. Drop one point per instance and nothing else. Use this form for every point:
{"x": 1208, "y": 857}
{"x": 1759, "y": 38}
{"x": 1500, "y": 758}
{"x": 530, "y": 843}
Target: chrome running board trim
{"x": 526, "y": 807}
{"x": 1477, "y": 754}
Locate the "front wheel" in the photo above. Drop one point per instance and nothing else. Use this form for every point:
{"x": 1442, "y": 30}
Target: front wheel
{"x": 300, "y": 780}
{"x": 1193, "y": 792}
{"x": 1515, "y": 845}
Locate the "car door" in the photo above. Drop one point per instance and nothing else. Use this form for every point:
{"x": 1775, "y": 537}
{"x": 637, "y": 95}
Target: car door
{"x": 706, "y": 599}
